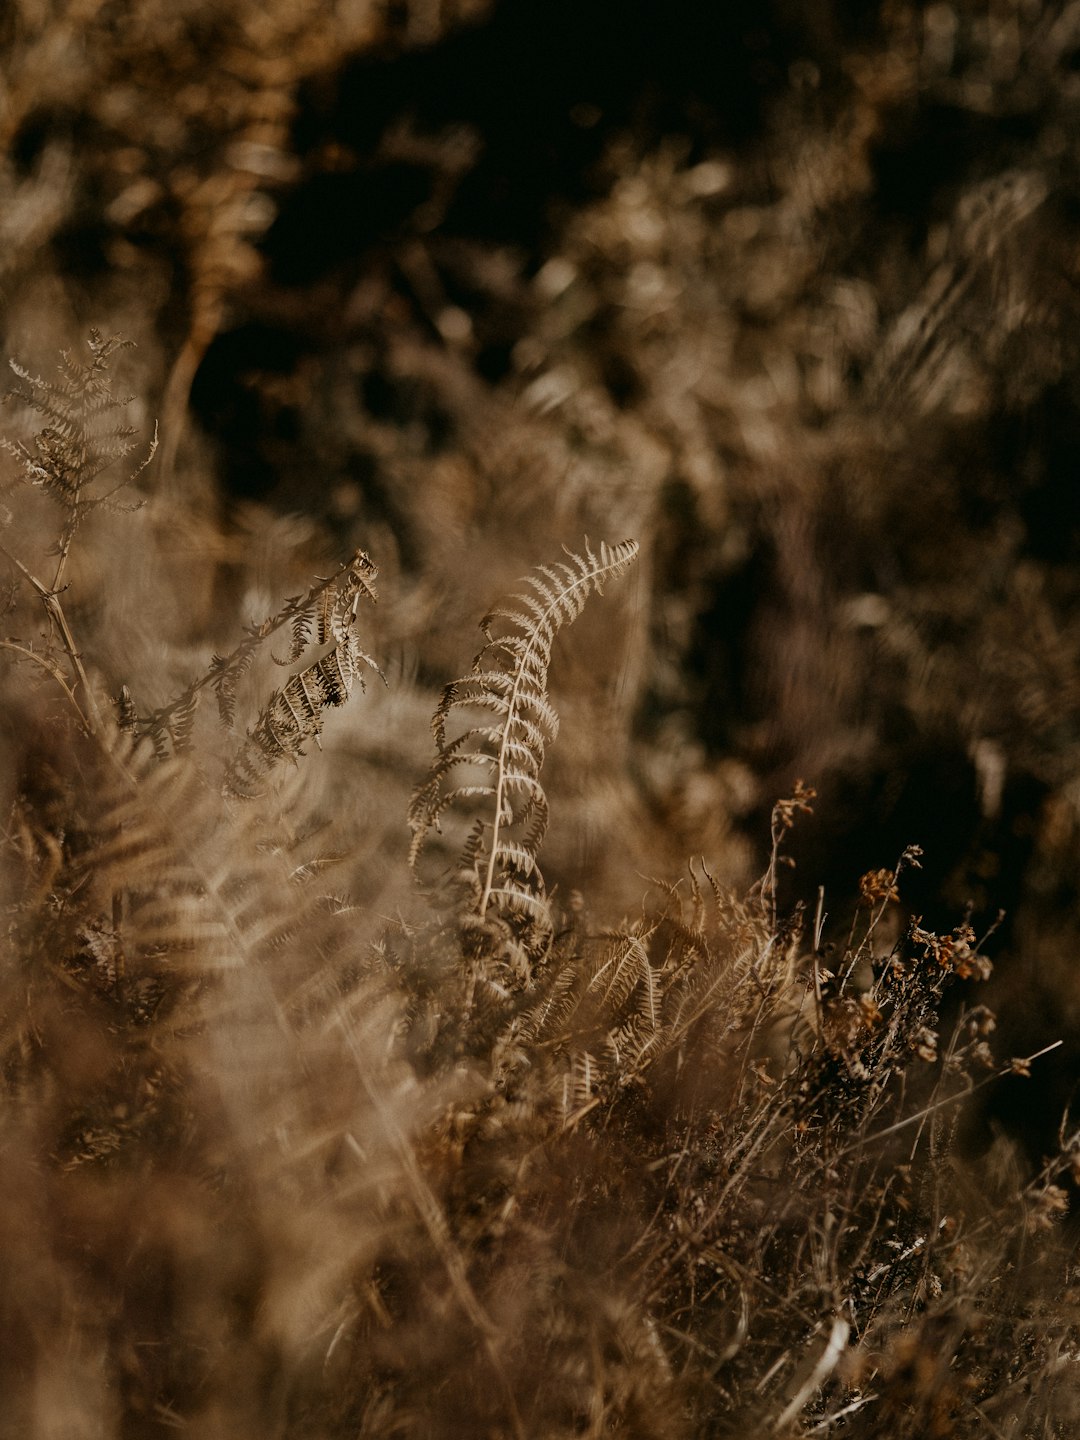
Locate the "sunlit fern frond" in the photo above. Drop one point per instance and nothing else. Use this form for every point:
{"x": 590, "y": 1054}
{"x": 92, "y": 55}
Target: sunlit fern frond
{"x": 493, "y": 763}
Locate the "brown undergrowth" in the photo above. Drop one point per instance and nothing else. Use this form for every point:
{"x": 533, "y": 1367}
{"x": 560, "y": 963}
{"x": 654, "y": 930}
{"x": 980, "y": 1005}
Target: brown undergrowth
{"x": 280, "y": 1162}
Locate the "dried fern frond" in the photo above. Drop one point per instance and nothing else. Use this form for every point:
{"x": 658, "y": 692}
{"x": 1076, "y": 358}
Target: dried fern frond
{"x": 327, "y": 612}
{"x": 499, "y": 761}
{"x": 82, "y": 438}
{"x": 294, "y": 714}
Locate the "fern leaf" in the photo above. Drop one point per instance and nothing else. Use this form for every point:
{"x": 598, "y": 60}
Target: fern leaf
{"x": 580, "y": 1083}
{"x": 512, "y": 897}
{"x": 648, "y": 1006}
{"x": 324, "y": 611}
{"x": 509, "y": 680}
{"x": 473, "y": 847}
{"x": 183, "y": 722}
{"x": 551, "y": 1015}
{"x": 294, "y": 715}
{"x": 354, "y": 580}
{"x": 225, "y": 675}
{"x": 614, "y": 980}
{"x": 518, "y": 859}
{"x": 301, "y": 635}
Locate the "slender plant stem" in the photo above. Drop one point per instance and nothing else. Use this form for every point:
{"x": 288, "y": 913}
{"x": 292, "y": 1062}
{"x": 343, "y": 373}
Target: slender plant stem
{"x": 55, "y": 611}
{"x": 53, "y": 673}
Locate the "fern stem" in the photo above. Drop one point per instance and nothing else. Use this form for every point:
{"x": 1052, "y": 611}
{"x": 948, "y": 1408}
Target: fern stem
{"x": 55, "y": 611}
{"x": 65, "y": 542}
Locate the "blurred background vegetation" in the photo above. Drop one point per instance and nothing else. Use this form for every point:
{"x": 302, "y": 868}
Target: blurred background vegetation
{"x": 788, "y": 291}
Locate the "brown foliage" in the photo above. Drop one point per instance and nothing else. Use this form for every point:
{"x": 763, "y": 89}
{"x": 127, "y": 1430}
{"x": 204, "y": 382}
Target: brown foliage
{"x": 288, "y": 1151}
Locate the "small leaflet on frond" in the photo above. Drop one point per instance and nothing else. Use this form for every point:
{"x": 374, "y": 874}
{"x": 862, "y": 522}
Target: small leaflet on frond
{"x": 526, "y": 732}
{"x": 225, "y": 675}
{"x": 648, "y": 996}
{"x": 183, "y": 722}
{"x": 582, "y": 1081}
{"x": 474, "y": 846}
{"x": 24, "y": 374}
{"x": 482, "y": 699}
{"x": 477, "y": 735}
{"x": 464, "y": 792}
{"x": 362, "y": 574}
{"x": 333, "y": 675}
{"x": 442, "y": 712}
{"x": 454, "y": 759}
{"x": 538, "y": 814}
{"x": 615, "y": 978}
{"x": 504, "y": 647}
{"x": 159, "y": 738}
{"x": 555, "y": 1010}
{"x": 422, "y": 802}
{"x": 524, "y": 757}
{"x": 640, "y": 1045}
{"x": 542, "y": 709}
{"x": 522, "y": 782}
{"x": 556, "y": 579}
{"x": 126, "y": 715}
{"x": 99, "y": 400}
{"x": 103, "y": 347}
{"x": 300, "y": 629}
{"x": 483, "y": 681}
{"x": 358, "y": 657}
{"x": 76, "y": 373}
{"x": 519, "y": 858}
{"x": 537, "y": 627}
{"x": 566, "y": 598}
{"x": 324, "y": 614}
{"x": 534, "y": 665}
{"x": 512, "y": 898}
{"x": 429, "y": 804}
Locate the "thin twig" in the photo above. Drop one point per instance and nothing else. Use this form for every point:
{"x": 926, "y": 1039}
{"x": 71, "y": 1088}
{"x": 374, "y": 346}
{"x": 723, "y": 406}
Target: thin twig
{"x": 55, "y": 611}
{"x": 53, "y": 673}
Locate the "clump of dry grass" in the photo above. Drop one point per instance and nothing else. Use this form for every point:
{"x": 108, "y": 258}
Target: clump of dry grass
{"x": 276, "y": 1163}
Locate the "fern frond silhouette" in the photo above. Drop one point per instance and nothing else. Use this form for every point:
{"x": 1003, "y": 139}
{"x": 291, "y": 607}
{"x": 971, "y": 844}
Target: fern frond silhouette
{"x": 294, "y": 714}
{"x": 499, "y": 763}
{"x": 325, "y": 616}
